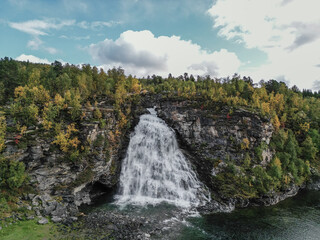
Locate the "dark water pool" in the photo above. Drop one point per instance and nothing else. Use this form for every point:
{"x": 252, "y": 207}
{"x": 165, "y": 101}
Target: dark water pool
{"x": 292, "y": 219}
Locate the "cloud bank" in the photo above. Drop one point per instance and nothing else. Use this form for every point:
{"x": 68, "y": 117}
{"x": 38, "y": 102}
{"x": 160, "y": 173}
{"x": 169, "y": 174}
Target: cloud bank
{"x": 287, "y": 30}
{"x": 141, "y": 53}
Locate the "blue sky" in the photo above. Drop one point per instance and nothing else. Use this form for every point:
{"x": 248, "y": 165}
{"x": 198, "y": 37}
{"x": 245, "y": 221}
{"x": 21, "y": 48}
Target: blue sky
{"x": 277, "y": 39}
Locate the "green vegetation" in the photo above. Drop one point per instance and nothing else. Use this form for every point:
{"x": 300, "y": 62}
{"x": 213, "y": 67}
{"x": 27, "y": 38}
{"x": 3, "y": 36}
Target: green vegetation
{"x": 30, "y": 230}
{"x": 51, "y": 102}
{"x": 55, "y": 99}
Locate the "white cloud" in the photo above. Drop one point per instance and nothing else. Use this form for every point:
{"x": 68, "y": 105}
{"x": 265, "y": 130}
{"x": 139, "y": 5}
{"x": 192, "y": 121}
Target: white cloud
{"x": 287, "y": 30}
{"x": 100, "y": 24}
{"x": 97, "y": 25}
{"x": 75, "y": 5}
{"x": 141, "y": 53}
{"x": 51, "y": 50}
{"x": 37, "y": 28}
{"x": 40, "y": 27}
{"x": 35, "y": 43}
{"x": 83, "y": 24}
{"x": 78, "y": 38}
{"x": 31, "y": 58}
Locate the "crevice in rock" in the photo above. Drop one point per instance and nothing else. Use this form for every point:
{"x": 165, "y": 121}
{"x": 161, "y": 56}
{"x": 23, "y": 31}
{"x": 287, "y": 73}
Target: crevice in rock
{"x": 98, "y": 189}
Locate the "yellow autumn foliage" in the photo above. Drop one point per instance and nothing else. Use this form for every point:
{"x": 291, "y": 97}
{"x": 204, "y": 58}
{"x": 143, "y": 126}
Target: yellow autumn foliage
{"x": 64, "y": 140}
{"x": 245, "y": 143}
{"x": 59, "y": 101}
{"x": 275, "y": 122}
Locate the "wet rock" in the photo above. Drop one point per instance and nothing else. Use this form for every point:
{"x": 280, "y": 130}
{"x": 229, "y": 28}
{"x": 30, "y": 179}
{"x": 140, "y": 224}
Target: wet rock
{"x": 147, "y": 235}
{"x": 314, "y": 183}
{"x": 214, "y": 207}
{"x": 274, "y": 198}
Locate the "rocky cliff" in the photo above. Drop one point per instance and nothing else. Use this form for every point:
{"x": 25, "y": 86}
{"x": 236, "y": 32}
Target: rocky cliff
{"x": 61, "y": 185}
{"x": 224, "y": 146}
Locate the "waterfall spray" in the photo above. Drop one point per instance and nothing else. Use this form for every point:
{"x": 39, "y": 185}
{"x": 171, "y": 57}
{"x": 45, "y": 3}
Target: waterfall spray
{"x": 155, "y": 170}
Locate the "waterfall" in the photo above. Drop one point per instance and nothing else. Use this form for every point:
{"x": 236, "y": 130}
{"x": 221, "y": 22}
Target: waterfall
{"x": 155, "y": 170}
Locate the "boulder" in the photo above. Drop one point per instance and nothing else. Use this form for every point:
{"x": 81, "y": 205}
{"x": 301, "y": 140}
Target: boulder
{"x": 43, "y": 220}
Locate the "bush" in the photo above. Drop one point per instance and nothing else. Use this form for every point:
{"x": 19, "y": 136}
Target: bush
{"x": 12, "y": 173}
{"x": 4, "y": 207}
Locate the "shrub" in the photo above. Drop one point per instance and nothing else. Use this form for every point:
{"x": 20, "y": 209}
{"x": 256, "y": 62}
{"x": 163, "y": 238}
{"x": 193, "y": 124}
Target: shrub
{"x": 12, "y": 173}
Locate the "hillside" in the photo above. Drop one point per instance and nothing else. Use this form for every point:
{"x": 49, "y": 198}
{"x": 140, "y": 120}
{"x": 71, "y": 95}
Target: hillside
{"x": 64, "y": 131}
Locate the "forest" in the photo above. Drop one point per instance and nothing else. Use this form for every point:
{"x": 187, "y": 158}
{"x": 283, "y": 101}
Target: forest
{"x": 52, "y": 98}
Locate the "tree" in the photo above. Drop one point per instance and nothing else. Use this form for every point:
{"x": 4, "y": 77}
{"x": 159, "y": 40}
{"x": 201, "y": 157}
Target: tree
{"x": 12, "y": 173}
{"x": 9, "y": 76}
{"x": 97, "y": 113}
{"x": 3, "y": 128}
{"x": 2, "y": 92}
{"x": 65, "y": 140}
{"x": 57, "y": 68}
{"x": 275, "y": 122}
{"x": 34, "y": 78}
{"x": 262, "y": 180}
{"x": 309, "y": 151}
{"x": 73, "y": 101}
{"x": 247, "y": 161}
{"x": 275, "y": 170}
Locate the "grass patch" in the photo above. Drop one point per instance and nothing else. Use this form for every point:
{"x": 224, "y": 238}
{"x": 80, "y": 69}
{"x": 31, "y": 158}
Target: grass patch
{"x": 29, "y": 230}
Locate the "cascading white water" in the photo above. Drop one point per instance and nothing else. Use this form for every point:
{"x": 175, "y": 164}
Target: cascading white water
{"x": 155, "y": 170}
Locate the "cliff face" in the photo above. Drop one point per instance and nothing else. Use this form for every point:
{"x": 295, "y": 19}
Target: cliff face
{"x": 225, "y": 147}
{"x": 61, "y": 185}
{"x": 220, "y": 135}
{"x": 214, "y": 141}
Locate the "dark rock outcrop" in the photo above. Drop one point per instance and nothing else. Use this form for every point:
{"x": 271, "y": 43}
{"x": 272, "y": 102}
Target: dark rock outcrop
{"x": 314, "y": 183}
{"x": 213, "y": 138}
